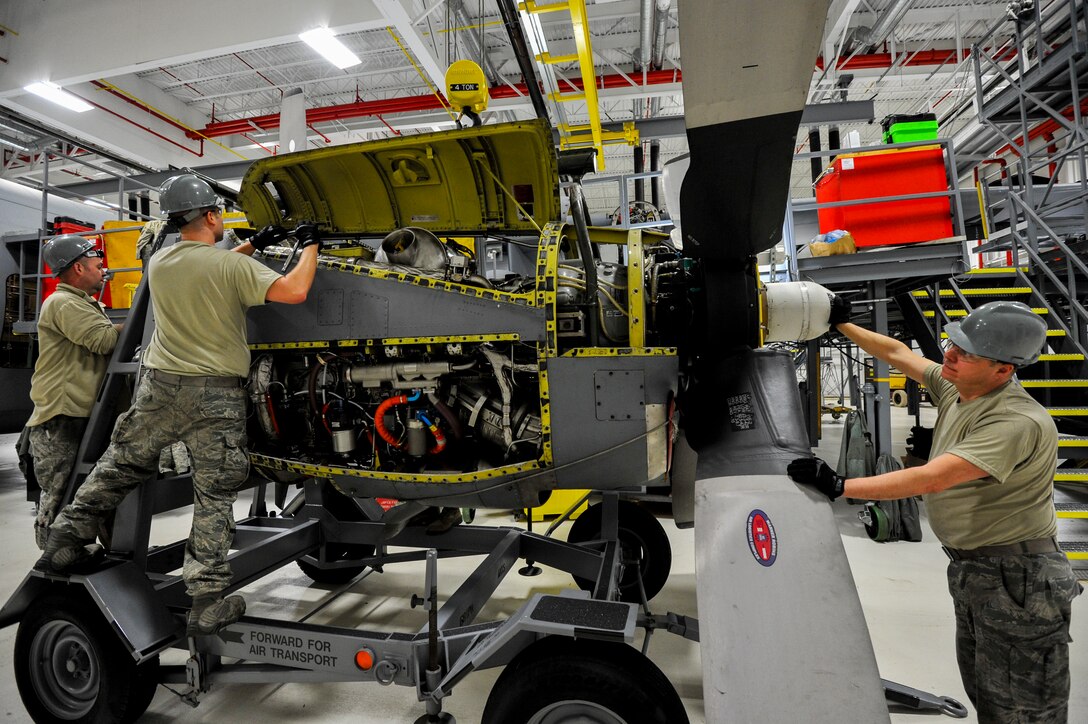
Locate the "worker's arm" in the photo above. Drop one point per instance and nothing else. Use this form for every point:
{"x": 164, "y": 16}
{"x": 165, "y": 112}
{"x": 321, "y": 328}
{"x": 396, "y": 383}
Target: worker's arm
{"x": 940, "y": 473}
{"x": 293, "y": 287}
{"x": 889, "y": 350}
{"x": 84, "y": 325}
{"x": 244, "y": 248}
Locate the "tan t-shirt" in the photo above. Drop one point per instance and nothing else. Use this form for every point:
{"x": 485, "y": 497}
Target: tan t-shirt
{"x": 75, "y": 339}
{"x": 1013, "y": 438}
{"x": 200, "y": 295}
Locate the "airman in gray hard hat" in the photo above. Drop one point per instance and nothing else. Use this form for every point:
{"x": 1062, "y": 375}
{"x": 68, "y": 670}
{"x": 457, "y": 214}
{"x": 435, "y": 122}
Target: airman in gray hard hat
{"x": 191, "y": 391}
{"x": 179, "y": 197}
{"x": 989, "y": 492}
{"x": 75, "y": 339}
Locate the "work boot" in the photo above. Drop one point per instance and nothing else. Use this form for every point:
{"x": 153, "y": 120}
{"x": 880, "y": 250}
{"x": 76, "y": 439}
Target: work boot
{"x": 211, "y": 614}
{"x": 447, "y": 518}
{"x": 63, "y": 551}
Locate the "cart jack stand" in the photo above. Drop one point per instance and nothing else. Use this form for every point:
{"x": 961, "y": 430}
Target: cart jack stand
{"x": 922, "y": 700}
{"x": 434, "y": 714}
{"x": 433, "y": 674}
{"x": 530, "y": 568}
{"x": 194, "y": 676}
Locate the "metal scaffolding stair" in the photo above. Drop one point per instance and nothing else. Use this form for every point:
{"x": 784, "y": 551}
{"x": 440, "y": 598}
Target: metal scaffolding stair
{"x": 1035, "y": 214}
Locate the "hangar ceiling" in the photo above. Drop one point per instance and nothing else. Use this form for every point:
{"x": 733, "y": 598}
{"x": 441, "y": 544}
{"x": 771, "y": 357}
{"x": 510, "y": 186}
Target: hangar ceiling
{"x": 159, "y": 102}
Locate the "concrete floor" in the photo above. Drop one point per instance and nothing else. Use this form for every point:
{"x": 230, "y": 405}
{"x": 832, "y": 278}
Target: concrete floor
{"x": 901, "y": 585}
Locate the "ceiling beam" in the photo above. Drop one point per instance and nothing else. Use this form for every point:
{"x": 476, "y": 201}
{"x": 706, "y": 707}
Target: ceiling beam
{"x": 402, "y": 23}
{"x": 56, "y": 41}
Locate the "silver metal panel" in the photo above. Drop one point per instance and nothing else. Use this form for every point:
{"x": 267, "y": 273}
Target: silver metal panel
{"x": 937, "y": 258}
{"x": 578, "y": 433}
{"x": 783, "y": 638}
{"x": 343, "y": 305}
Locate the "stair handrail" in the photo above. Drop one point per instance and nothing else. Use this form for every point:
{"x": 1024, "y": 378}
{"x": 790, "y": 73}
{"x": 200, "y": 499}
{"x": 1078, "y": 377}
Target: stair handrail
{"x": 1078, "y": 313}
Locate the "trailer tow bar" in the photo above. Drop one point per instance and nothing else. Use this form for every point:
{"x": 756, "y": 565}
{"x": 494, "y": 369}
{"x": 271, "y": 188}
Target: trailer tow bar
{"x": 922, "y": 700}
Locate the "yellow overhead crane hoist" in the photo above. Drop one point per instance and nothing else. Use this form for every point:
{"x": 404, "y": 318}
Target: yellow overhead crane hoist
{"x": 467, "y": 90}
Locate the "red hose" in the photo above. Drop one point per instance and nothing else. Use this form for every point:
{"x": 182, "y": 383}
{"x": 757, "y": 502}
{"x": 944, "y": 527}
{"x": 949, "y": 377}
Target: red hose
{"x": 379, "y": 419}
{"x": 439, "y": 440}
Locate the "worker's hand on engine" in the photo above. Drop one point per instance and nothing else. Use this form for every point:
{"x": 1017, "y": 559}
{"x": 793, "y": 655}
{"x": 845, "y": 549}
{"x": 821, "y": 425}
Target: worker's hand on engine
{"x": 840, "y": 311}
{"x": 268, "y": 236}
{"x": 308, "y": 235}
{"x": 817, "y": 473}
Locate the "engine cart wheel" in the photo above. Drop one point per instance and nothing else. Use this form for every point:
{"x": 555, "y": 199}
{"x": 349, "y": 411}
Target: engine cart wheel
{"x": 70, "y": 666}
{"x": 644, "y": 548}
{"x": 879, "y": 527}
{"x": 899, "y": 398}
{"x": 343, "y": 508}
{"x": 558, "y": 679}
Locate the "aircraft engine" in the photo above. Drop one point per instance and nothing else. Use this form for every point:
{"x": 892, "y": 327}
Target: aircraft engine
{"x": 421, "y": 408}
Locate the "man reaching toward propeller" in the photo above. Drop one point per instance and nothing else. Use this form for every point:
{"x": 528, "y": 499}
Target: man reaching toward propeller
{"x": 989, "y": 494}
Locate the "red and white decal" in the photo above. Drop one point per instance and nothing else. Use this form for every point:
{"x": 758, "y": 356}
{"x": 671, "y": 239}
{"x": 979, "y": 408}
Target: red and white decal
{"x": 762, "y": 540}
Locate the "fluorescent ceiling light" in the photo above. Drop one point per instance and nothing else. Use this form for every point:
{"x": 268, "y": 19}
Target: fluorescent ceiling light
{"x": 323, "y": 41}
{"x": 97, "y": 204}
{"x": 53, "y": 92}
{"x": 13, "y": 144}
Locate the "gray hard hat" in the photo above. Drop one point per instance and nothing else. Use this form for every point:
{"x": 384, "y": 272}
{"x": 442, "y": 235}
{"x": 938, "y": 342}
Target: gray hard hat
{"x": 1003, "y": 331}
{"x": 63, "y": 251}
{"x": 182, "y": 198}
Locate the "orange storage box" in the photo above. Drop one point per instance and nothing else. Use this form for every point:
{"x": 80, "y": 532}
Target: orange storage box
{"x": 49, "y": 283}
{"x": 873, "y": 174}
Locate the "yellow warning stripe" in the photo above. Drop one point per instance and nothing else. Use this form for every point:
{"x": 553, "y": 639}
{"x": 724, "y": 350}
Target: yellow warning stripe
{"x": 290, "y": 345}
{"x": 1076, "y": 357}
{"x": 1073, "y": 514}
{"x": 1073, "y": 477}
{"x": 1054, "y": 383}
{"x": 963, "y": 312}
{"x": 388, "y": 341}
{"x": 987, "y": 292}
{"x": 621, "y": 352}
{"x": 1068, "y": 412}
{"x": 329, "y": 471}
{"x": 419, "y": 280}
{"x": 1049, "y": 333}
{"x": 997, "y": 270}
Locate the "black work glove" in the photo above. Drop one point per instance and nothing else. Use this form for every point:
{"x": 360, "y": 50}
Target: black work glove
{"x": 268, "y": 236}
{"x": 920, "y": 441}
{"x": 840, "y": 311}
{"x": 815, "y": 472}
{"x": 307, "y": 234}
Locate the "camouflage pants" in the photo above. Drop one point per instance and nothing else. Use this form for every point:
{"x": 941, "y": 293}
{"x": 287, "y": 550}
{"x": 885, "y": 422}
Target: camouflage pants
{"x": 1012, "y": 635}
{"x": 211, "y": 423}
{"x": 54, "y": 445}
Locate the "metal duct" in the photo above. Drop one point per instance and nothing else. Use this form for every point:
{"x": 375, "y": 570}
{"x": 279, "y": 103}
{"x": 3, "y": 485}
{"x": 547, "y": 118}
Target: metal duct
{"x": 645, "y": 48}
{"x": 661, "y": 26}
{"x": 816, "y": 163}
{"x": 293, "y": 121}
{"x": 473, "y": 48}
{"x": 655, "y": 165}
{"x": 887, "y": 21}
